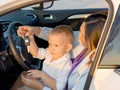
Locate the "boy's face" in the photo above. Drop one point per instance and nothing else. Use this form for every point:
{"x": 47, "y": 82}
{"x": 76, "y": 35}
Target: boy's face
{"x": 58, "y": 45}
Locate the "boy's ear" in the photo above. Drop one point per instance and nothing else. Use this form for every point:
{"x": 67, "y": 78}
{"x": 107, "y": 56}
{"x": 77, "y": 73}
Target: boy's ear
{"x": 69, "y": 47}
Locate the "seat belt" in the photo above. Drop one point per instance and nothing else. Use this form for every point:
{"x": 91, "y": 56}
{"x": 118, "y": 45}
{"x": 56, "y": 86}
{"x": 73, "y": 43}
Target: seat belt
{"x": 75, "y": 62}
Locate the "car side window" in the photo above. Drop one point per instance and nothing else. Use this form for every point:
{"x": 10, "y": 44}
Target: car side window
{"x": 111, "y": 54}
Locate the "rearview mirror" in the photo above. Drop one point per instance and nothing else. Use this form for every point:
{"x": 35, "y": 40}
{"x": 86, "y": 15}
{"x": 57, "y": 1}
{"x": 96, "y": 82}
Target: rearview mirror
{"x": 46, "y": 5}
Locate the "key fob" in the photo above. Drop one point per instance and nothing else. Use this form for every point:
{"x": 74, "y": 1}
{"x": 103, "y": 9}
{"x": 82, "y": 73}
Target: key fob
{"x": 26, "y": 40}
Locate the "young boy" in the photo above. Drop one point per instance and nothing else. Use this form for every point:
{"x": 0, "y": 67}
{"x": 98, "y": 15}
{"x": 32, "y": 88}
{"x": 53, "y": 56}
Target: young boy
{"x": 57, "y": 63}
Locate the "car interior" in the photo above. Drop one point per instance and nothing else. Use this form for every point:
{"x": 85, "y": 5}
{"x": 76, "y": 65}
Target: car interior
{"x": 14, "y": 57}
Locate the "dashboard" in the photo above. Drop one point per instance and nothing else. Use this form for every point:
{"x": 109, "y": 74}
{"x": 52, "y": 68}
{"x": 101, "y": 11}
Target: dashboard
{"x": 24, "y": 16}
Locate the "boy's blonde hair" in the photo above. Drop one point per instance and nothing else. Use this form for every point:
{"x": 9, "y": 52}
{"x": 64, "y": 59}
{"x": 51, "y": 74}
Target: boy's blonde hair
{"x": 66, "y": 30}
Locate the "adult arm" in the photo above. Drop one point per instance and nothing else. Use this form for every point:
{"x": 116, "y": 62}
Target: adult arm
{"x": 41, "y": 32}
{"x": 45, "y": 78}
{"x": 44, "y": 31}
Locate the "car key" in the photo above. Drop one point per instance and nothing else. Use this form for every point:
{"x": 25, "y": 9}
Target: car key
{"x": 27, "y": 42}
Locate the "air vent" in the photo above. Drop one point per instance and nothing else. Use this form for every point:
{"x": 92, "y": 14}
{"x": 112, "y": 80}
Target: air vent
{"x": 5, "y": 26}
{"x": 31, "y": 16}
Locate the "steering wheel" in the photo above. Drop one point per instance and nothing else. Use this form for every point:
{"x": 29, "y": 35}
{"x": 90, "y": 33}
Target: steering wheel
{"x": 18, "y": 48}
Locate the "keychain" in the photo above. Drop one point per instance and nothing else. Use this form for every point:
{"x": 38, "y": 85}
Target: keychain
{"x": 27, "y": 42}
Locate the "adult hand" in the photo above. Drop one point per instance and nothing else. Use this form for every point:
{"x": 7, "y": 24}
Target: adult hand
{"x": 24, "y": 30}
{"x": 28, "y": 30}
{"x": 35, "y": 73}
{"x": 32, "y": 83}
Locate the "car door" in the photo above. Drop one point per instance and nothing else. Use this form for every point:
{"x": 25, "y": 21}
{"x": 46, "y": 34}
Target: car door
{"x": 105, "y": 71}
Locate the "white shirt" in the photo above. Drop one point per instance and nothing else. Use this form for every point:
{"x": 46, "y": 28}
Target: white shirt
{"x": 57, "y": 69}
{"x": 74, "y": 77}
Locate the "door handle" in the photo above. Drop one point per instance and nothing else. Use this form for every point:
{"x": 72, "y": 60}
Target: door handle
{"x": 48, "y": 17}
